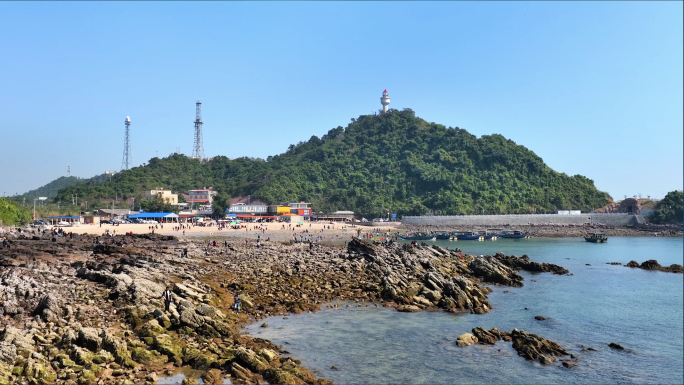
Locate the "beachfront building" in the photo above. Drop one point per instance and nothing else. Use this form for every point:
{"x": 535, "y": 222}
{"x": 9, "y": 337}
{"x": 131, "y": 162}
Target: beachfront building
{"x": 278, "y": 209}
{"x": 165, "y": 194}
{"x": 300, "y": 208}
{"x": 337, "y": 216}
{"x": 67, "y": 220}
{"x": 244, "y": 208}
{"x": 115, "y": 213}
{"x": 203, "y": 197}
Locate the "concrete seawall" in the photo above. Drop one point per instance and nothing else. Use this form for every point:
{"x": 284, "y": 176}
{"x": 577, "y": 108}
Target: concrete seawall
{"x": 611, "y": 219}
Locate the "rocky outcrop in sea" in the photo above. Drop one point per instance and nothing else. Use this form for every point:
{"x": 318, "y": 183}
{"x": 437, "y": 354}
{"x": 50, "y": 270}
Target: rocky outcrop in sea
{"x": 528, "y": 345}
{"x": 652, "y": 264}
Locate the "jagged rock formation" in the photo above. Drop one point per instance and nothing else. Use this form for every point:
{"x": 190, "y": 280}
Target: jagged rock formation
{"x": 524, "y": 263}
{"x": 528, "y": 345}
{"x": 652, "y": 264}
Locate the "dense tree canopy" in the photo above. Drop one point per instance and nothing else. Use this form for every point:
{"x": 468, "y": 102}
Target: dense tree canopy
{"x": 13, "y": 214}
{"x": 390, "y": 162}
{"x": 669, "y": 209}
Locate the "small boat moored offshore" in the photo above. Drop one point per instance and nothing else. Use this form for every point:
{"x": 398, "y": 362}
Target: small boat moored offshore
{"x": 489, "y": 234}
{"x": 468, "y": 236}
{"x": 443, "y": 235}
{"x": 513, "y": 234}
{"x": 418, "y": 236}
{"x": 596, "y": 237}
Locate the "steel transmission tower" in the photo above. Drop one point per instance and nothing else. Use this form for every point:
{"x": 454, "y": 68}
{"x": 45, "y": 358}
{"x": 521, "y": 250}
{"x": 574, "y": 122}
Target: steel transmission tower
{"x": 198, "y": 147}
{"x": 126, "y": 162}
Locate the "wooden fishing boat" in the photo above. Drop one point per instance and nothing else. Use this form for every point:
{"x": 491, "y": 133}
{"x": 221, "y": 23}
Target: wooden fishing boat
{"x": 467, "y": 236}
{"x": 596, "y": 237}
{"x": 489, "y": 235}
{"x": 514, "y": 234}
{"x": 418, "y": 236}
{"x": 442, "y": 234}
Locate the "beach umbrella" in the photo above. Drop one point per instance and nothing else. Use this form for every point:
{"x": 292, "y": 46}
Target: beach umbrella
{"x": 300, "y": 223}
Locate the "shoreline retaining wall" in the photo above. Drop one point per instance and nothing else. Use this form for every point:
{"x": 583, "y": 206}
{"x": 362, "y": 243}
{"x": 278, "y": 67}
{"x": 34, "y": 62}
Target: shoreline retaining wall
{"x": 609, "y": 219}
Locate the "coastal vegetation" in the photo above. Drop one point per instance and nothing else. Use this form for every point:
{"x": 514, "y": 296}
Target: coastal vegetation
{"x": 392, "y": 162}
{"x": 669, "y": 209}
{"x": 13, "y": 214}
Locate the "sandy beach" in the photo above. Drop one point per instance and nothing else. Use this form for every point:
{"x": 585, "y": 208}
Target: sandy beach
{"x": 337, "y": 233}
{"x": 328, "y": 233}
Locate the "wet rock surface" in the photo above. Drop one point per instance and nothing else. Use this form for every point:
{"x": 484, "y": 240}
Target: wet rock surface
{"x": 652, "y": 264}
{"x": 88, "y": 309}
{"x": 524, "y": 263}
{"x": 528, "y": 345}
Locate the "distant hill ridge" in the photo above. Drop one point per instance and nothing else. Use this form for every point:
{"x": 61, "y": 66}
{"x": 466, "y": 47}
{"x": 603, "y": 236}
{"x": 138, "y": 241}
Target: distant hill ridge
{"x": 51, "y": 189}
{"x": 392, "y": 162}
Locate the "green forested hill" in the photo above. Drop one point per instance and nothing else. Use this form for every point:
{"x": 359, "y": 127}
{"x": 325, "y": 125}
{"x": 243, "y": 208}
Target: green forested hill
{"x": 393, "y": 161}
{"x": 50, "y": 190}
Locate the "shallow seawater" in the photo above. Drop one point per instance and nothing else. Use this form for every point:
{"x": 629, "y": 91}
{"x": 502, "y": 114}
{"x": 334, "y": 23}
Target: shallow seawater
{"x": 179, "y": 375}
{"x": 598, "y": 304}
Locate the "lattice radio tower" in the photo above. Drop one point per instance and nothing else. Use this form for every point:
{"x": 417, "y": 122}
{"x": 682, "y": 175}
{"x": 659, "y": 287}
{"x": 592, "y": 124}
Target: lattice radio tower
{"x": 198, "y": 147}
{"x": 126, "y": 162}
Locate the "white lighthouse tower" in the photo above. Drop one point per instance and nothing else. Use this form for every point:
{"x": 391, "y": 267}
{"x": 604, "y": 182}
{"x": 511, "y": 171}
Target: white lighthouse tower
{"x": 385, "y": 100}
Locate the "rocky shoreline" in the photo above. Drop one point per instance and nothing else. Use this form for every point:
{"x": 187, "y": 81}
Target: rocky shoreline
{"x": 86, "y": 309}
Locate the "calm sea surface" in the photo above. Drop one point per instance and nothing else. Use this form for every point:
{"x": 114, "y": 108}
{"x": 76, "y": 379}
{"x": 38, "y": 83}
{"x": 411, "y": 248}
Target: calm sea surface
{"x": 598, "y": 304}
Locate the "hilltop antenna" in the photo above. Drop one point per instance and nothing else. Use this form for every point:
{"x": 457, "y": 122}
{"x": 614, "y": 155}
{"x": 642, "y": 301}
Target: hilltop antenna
{"x": 198, "y": 147}
{"x": 68, "y": 171}
{"x": 126, "y": 162}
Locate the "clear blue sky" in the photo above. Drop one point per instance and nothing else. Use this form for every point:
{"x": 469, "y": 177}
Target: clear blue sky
{"x": 593, "y": 88}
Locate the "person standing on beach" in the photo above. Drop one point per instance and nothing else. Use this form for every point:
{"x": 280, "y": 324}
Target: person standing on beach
{"x": 168, "y": 298}
{"x": 236, "y": 304}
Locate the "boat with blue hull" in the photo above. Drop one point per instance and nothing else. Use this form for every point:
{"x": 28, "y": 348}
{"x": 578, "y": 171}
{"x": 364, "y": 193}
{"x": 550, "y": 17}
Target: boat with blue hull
{"x": 489, "y": 235}
{"x": 443, "y": 235}
{"x": 419, "y": 236}
{"x": 467, "y": 236}
{"x": 514, "y": 234}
